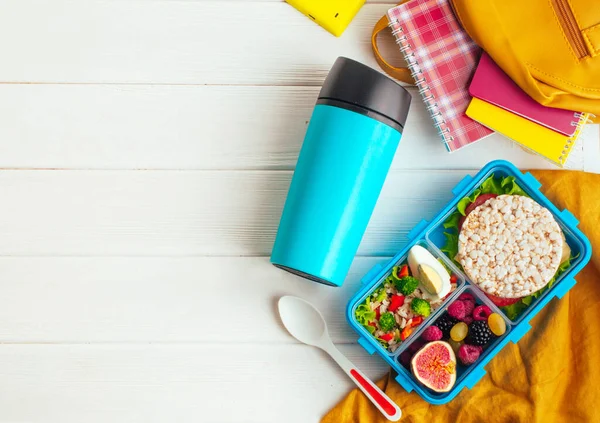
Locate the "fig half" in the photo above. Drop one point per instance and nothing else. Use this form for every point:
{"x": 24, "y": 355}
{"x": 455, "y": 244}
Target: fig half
{"x": 434, "y": 366}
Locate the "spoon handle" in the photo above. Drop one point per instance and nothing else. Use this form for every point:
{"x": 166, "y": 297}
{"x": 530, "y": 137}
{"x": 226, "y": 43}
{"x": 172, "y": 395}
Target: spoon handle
{"x": 387, "y": 407}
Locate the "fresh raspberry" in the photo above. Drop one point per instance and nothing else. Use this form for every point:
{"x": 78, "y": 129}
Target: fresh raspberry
{"x": 432, "y": 333}
{"x": 468, "y": 320}
{"x": 469, "y": 307}
{"x": 466, "y": 296}
{"x": 457, "y": 310}
{"x": 415, "y": 346}
{"x": 468, "y": 354}
{"x": 481, "y": 312}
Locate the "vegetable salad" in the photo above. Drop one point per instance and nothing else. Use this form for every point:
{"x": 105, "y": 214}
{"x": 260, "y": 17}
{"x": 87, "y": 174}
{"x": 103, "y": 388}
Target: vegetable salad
{"x": 397, "y": 307}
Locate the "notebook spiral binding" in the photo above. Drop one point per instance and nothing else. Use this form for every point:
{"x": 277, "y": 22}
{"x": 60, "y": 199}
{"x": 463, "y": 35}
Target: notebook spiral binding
{"x": 577, "y": 116}
{"x": 582, "y": 119}
{"x": 421, "y": 83}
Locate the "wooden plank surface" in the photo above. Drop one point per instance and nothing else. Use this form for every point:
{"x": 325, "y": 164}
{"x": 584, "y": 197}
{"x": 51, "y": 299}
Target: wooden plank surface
{"x": 186, "y": 213}
{"x": 179, "y": 383}
{"x": 160, "y": 300}
{"x": 200, "y": 127}
{"x": 183, "y": 213}
{"x": 146, "y": 148}
{"x": 174, "y": 42}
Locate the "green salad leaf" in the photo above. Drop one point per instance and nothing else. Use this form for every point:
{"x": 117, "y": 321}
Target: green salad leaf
{"x": 365, "y": 315}
{"x": 512, "y": 311}
{"x": 394, "y": 274}
{"x": 451, "y": 247}
{"x": 453, "y": 220}
{"x": 510, "y": 187}
{"x": 493, "y": 185}
{"x": 464, "y": 203}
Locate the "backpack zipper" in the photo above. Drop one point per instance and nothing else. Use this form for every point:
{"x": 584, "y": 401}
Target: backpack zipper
{"x": 569, "y": 25}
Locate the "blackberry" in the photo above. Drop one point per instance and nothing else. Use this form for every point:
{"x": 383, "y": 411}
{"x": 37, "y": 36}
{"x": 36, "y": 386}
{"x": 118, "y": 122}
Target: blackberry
{"x": 479, "y": 333}
{"x": 445, "y": 323}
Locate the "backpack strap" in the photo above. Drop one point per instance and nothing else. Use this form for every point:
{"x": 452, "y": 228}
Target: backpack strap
{"x": 402, "y": 73}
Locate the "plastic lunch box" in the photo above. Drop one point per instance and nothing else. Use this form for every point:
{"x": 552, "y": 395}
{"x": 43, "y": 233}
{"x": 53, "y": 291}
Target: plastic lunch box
{"x": 430, "y": 235}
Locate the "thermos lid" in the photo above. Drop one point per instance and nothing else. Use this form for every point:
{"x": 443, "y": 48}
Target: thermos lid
{"x": 357, "y": 87}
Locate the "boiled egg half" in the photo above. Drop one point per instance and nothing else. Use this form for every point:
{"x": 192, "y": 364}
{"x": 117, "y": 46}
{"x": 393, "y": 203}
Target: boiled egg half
{"x": 434, "y": 279}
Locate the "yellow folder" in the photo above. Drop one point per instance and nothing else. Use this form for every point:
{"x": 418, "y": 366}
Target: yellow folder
{"x": 541, "y": 140}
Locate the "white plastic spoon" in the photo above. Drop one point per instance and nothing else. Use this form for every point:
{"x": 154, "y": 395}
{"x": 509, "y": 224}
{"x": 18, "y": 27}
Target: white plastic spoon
{"x": 305, "y": 323}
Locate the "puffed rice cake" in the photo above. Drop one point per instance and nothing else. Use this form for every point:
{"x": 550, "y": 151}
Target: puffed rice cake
{"x": 510, "y": 246}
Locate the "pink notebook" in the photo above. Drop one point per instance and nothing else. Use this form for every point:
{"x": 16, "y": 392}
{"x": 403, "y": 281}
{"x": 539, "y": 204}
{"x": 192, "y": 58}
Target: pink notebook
{"x": 442, "y": 59}
{"x": 491, "y": 84}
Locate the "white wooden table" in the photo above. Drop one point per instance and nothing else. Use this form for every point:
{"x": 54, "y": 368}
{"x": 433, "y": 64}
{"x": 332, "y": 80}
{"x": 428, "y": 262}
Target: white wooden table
{"x": 146, "y": 151}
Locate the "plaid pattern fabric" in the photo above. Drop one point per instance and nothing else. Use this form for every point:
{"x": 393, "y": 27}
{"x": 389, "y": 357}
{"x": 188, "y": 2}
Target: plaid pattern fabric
{"x": 442, "y": 59}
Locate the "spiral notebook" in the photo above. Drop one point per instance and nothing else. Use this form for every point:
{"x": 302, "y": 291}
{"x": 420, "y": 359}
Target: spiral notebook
{"x": 550, "y": 144}
{"x": 442, "y": 59}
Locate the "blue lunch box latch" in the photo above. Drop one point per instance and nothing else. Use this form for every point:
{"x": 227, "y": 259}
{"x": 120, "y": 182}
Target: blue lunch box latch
{"x": 564, "y": 286}
{"x": 370, "y": 348}
{"x": 474, "y": 377}
{"x": 568, "y": 217}
{"x": 519, "y": 331}
{"x": 404, "y": 382}
{"x": 461, "y": 185}
{"x": 531, "y": 181}
{"x": 418, "y": 228}
{"x": 371, "y": 274}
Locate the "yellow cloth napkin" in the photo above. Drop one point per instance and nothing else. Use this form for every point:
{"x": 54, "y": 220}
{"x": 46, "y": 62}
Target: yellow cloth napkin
{"x": 553, "y": 373}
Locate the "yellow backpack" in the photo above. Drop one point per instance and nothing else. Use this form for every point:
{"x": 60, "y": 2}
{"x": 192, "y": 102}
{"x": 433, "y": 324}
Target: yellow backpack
{"x": 550, "y": 48}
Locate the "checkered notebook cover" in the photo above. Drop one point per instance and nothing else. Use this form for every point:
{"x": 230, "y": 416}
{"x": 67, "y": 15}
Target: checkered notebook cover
{"x": 442, "y": 59}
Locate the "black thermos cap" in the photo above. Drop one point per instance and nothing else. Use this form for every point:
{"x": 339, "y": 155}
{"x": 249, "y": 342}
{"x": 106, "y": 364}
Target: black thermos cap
{"x": 357, "y": 87}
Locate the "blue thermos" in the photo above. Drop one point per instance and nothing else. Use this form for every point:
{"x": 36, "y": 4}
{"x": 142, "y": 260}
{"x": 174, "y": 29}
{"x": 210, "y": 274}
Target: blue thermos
{"x": 349, "y": 145}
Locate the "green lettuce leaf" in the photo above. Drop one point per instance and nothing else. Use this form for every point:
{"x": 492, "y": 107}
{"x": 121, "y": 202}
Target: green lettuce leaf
{"x": 492, "y": 186}
{"x": 512, "y": 311}
{"x": 380, "y": 294}
{"x": 364, "y": 314}
{"x": 451, "y": 246}
{"x": 464, "y": 203}
{"x": 510, "y": 187}
{"x": 453, "y": 220}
